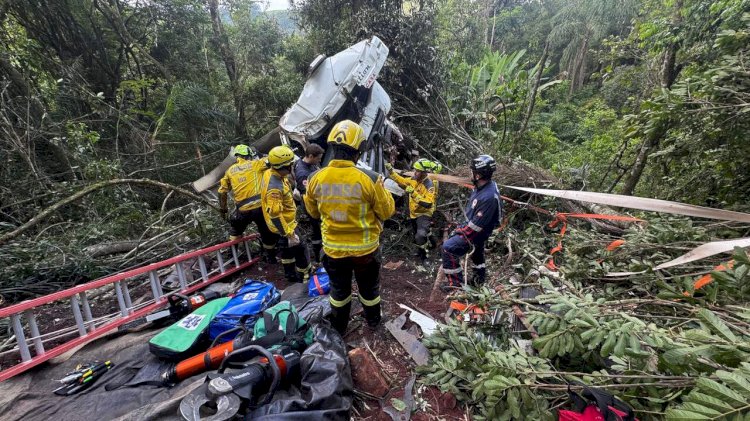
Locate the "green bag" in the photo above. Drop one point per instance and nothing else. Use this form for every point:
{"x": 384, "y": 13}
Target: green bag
{"x": 287, "y": 328}
{"x": 188, "y": 336}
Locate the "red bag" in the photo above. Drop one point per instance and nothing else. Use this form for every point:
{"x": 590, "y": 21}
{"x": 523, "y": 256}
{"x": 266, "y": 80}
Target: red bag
{"x": 606, "y": 407}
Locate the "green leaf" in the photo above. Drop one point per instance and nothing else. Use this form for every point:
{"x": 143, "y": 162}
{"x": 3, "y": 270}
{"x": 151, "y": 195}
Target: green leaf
{"x": 710, "y": 401}
{"x": 700, "y": 409}
{"x": 682, "y": 415}
{"x": 738, "y": 382}
{"x": 716, "y": 325}
{"x": 718, "y": 390}
{"x": 398, "y": 404}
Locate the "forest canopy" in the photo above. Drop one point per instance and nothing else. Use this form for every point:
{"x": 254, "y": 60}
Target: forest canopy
{"x": 639, "y": 97}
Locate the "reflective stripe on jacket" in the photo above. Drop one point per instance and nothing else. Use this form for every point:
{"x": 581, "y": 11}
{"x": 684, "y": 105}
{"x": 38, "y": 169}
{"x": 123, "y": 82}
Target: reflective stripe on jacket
{"x": 243, "y": 179}
{"x": 422, "y": 199}
{"x": 352, "y": 204}
{"x": 279, "y": 209}
{"x": 483, "y": 212}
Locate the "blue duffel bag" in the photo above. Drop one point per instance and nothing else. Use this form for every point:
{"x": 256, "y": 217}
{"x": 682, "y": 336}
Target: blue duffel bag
{"x": 318, "y": 284}
{"x": 247, "y": 304}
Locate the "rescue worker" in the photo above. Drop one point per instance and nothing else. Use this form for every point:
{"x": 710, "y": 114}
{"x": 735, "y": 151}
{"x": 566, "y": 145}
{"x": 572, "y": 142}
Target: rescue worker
{"x": 352, "y": 204}
{"x": 280, "y": 211}
{"x": 243, "y": 179}
{"x": 422, "y": 198}
{"x": 302, "y": 170}
{"x": 483, "y": 212}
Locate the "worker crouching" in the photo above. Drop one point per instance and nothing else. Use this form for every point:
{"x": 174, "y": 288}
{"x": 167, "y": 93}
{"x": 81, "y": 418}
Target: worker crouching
{"x": 352, "y": 204}
{"x": 243, "y": 179}
{"x": 280, "y": 211}
{"x": 483, "y": 213}
{"x": 422, "y": 197}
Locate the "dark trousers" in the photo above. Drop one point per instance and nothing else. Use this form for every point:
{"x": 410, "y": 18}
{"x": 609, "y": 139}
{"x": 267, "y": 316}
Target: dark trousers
{"x": 421, "y": 226}
{"x": 366, "y": 272}
{"x": 238, "y": 222}
{"x": 294, "y": 259}
{"x": 313, "y": 226}
{"x": 455, "y": 248}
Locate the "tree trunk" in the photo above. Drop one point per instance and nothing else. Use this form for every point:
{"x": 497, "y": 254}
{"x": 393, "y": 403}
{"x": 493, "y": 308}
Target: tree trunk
{"x": 230, "y": 63}
{"x": 579, "y": 65}
{"x": 532, "y": 101}
{"x": 668, "y": 74}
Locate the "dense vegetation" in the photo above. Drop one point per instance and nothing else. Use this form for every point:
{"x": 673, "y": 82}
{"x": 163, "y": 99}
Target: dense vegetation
{"x": 631, "y": 96}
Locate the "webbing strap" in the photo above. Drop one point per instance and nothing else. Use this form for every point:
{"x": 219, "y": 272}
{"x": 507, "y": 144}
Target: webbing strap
{"x": 248, "y": 201}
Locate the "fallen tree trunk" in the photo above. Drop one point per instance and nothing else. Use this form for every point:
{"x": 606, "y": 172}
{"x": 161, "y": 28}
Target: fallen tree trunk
{"x": 105, "y": 249}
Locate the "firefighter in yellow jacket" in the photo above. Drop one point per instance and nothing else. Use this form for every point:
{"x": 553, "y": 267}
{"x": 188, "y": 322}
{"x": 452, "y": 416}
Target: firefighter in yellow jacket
{"x": 422, "y": 195}
{"x": 280, "y": 211}
{"x": 243, "y": 179}
{"x": 352, "y": 204}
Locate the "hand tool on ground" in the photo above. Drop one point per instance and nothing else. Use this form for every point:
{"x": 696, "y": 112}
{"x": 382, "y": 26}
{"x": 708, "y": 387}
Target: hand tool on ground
{"x": 223, "y": 395}
{"x": 213, "y": 357}
{"x": 82, "y": 378}
{"x": 181, "y": 305}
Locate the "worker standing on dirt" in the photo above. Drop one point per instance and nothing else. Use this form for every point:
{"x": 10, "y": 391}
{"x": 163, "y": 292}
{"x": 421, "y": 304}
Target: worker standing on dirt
{"x": 422, "y": 198}
{"x": 352, "y": 204}
{"x": 483, "y": 214}
{"x": 302, "y": 170}
{"x": 280, "y": 213}
{"x": 243, "y": 179}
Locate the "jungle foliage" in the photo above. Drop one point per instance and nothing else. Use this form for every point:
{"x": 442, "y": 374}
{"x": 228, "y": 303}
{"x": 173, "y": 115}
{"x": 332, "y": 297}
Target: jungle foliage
{"x": 645, "y": 97}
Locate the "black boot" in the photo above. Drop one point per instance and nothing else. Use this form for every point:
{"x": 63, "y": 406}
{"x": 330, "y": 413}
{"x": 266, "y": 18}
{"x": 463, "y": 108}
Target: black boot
{"x": 340, "y": 317}
{"x": 478, "y": 277}
{"x": 372, "y": 315}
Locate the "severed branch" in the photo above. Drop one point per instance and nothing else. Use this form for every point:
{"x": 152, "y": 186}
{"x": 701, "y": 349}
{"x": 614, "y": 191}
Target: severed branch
{"x": 92, "y": 188}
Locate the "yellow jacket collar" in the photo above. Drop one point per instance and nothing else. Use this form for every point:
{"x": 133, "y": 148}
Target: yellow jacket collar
{"x": 340, "y": 163}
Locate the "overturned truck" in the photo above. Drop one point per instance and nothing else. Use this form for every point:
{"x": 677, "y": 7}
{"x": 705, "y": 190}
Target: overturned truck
{"x": 343, "y": 86}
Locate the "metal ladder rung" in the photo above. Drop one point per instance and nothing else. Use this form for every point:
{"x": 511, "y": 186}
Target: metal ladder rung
{"x": 235, "y": 256}
{"x": 121, "y": 299}
{"x": 247, "y": 251}
{"x": 75, "y": 304}
{"x": 204, "y": 270}
{"x": 220, "y": 259}
{"x": 23, "y": 348}
{"x": 36, "y": 338}
{"x": 87, "y": 317}
{"x": 153, "y": 279}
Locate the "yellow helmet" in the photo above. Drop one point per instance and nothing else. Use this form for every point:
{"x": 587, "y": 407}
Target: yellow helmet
{"x": 244, "y": 151}
{"x": 347, "y": 133}
{"x": 424, "y": 165}
{"x": 280, "y": 156}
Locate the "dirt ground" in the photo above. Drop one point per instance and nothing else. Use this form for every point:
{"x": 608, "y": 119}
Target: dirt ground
{"x": 411, "y": 287}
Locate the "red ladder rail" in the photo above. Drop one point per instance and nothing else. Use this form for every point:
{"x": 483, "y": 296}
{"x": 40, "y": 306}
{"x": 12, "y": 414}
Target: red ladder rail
{"x": 87, "y": 326}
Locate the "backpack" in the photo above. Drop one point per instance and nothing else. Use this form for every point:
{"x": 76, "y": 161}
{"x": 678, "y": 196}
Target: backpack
{"x": 605, "y": 407}
{"x": 281, "y": 325}
{"x": 246, "y": 306}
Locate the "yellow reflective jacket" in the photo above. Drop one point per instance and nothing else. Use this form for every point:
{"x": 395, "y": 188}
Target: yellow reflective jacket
{"x": 422, "y": 199}
{"x": 279, "y": 209}
{"x": 352, "y": 204}
{"x": 243, "y": 180}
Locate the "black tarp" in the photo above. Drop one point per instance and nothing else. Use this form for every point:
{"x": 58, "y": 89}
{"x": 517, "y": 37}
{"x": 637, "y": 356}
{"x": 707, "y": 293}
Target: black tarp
{"x": 325, "y": 392}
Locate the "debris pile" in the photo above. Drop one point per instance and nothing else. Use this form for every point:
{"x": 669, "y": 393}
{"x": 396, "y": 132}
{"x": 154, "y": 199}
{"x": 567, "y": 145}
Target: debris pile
{"x": 671, "y": 343}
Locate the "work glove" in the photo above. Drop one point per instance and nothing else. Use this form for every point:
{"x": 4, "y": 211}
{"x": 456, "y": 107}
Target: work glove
{"x": 388, "y": 168}
{"x": 293, "y": 240}
{"x": 297, "y": 195}
{"x": 409, "y": 189}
